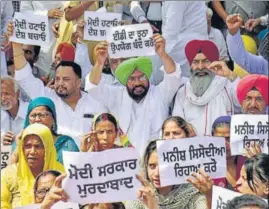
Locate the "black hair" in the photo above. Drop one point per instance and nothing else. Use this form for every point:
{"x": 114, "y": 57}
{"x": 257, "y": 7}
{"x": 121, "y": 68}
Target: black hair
{"x": 10, "y": 62}
{"x": 118, "y": 205}
{"x": 105, "y": 117}
{"x": 36, "y": 50}
{"x": 43, "y": 174}
{"x": 257, "y": 166}
{"x": 152, "y": 147}
{"x": 76, "y": 68}
{"x": 246, "y": 200}
{"x": 181, "y": 123}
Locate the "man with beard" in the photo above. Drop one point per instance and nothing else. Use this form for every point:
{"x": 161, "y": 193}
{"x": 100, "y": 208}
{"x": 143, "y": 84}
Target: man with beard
{"x": 12, "y": 110}
{"x": 256, "y": 64}
{"x": 210, "y": 91}
{"x": 140, "y": 107}
{"x": 75, "y": 109}
{"x": 252, "y": 93}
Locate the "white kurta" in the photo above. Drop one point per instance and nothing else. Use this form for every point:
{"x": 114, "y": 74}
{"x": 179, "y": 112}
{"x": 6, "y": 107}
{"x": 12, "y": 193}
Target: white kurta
{"x": 41, "y": 8}
{"x": 141, "y": 121}
{"x": 70, "y": 122}
{"x": 216, "y": 36}
{"x": 182, "y": 21}
{"x": 219, "y": 100}
{"x": 16, "y": 125}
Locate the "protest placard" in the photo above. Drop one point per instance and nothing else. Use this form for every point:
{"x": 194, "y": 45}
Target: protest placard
{"x": 101, "y": 177}
{"x": 130, "y": 41}
{"x": 97, "y": 24}
{"x": 248, "y": 129}
{"x": 5, "y": 154}
{"x": 30, "y": 29}
{"x": 58, "y": 205}
{"x": 180, "y": 157}
{"x": 221, "y": 197}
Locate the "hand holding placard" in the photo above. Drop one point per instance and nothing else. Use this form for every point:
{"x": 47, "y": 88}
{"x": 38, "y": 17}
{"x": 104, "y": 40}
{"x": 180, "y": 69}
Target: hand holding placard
{"x": 178, "y": 159}
{"x": 159, "y": 43}
{"x": 131, "y": 41}
{"x": 30, "y": 29}
{"x": 101, "y": 177}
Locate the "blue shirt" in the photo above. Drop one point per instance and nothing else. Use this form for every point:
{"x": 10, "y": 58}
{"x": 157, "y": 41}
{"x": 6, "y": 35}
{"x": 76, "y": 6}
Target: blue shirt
{"x": 254, "y": 64}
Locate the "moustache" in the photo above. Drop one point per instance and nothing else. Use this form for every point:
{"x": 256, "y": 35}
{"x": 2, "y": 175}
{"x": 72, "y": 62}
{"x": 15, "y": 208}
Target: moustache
{"x": 204, "y": 72}
{"x": 139, "y": 86}
{"x": 6, "y": 105}
{"x": 62, "y": 87}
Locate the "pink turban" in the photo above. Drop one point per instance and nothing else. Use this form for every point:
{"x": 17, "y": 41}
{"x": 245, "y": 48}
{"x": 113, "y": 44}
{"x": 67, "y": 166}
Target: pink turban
{"x": 208, "y": 48}
{"x": 260, "y": 82}
{"x": 67, "y": 52}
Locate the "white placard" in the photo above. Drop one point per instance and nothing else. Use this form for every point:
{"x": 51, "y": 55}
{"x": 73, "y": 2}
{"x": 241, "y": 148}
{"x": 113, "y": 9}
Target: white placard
{"x": 247, "y": 129}
{"x": 101, "y": 177}
{"x": 130, "y": 41}
{"x": 180, "y": 157}
{"x": 5, "y": 155}
{"x": 58, "y": 205}
{"x": 97, "y": 24}
{"x": 221, "y": 197}
{"x": 30, "y": 29}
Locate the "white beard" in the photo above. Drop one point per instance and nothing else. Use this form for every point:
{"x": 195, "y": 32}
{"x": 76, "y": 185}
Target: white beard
{"x": 200, "y": 84}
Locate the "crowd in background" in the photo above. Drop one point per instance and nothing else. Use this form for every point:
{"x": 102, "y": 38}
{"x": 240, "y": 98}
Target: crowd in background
{"x": 211, "y": 62}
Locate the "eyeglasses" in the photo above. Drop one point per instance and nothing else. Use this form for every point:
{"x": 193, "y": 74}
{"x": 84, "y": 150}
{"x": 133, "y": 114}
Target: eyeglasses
{"x": 141, "y": 78}
{"x": 40, "y": 115}
{"x": 40, "y": 194}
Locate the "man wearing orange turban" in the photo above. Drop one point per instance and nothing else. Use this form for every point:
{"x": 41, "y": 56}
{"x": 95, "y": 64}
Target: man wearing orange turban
{"x": 64, "y": 52}
{"x": 252, "y": 93}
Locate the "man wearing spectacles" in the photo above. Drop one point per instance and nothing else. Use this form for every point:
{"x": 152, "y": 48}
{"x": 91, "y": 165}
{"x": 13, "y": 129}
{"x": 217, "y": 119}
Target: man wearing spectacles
{"x": 48, "y": 189}
{"x": 139, "y": 106}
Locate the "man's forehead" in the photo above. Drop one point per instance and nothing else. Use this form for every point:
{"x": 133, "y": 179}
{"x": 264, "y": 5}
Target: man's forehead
{"x": 29, "y": 47}
{"x": 200, "y": 56}
{"x": 137, "y": 72}
{"x": 254, "y": 93}
{"x": 7, "y": 86}
{"x": 65, "y": 70}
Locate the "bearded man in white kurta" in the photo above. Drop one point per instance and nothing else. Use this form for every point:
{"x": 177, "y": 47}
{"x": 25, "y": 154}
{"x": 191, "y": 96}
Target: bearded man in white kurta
{"x": 139, "y": 106}
{"x": 211, "y": 90}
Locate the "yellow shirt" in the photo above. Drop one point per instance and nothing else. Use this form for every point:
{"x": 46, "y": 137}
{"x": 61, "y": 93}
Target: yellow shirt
{"x": 10, "y": 194}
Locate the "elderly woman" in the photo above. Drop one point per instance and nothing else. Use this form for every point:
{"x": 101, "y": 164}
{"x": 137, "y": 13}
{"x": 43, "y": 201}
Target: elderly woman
{"x": 184, "y": 196}
{"x": 36, "y": 154}
{"x": 42, "y": 110}
{"x": 176, "y": 127}
{"x": 105, "y": 134}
